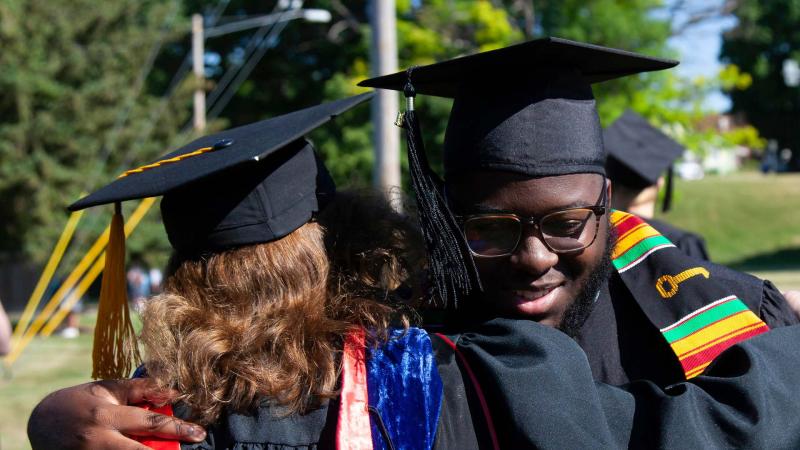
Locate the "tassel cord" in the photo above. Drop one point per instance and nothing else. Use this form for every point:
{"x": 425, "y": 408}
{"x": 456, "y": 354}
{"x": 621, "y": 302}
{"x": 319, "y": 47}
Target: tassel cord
{"x": 115, "y": 349}
{"x": 453, "y": 270}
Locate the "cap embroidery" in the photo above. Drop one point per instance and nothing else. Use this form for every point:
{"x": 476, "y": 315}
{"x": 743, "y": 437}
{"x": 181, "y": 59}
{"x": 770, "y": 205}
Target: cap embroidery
{"x": 667, "y": 285}
{"x": 169, "y": 160}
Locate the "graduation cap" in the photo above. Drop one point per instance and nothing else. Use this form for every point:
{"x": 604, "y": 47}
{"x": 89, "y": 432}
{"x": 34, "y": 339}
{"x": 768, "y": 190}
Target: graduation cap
{"x": 639, "y": 153}
{"x": 527, "y": 108}
{"x": 247, "y": 185}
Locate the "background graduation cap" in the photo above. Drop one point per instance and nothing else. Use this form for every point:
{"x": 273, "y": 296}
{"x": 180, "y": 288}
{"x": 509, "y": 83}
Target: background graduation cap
{"x": 527, "y": 108}
{"x": 639, "y": 153}
{"x": 246, "y": 185}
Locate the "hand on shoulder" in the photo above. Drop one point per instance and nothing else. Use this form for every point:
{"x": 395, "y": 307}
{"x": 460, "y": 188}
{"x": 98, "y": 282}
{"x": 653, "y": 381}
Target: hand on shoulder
{"x": 97, "y": 415}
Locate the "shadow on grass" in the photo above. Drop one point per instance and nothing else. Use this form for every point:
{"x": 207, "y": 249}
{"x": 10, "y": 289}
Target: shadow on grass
{"x": 785, "y": 259}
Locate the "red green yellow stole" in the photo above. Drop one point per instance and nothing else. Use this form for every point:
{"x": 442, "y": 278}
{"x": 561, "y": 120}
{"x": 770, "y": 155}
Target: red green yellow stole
{"x": 698, "y": 315}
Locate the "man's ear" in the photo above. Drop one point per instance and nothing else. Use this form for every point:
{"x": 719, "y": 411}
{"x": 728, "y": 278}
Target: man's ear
{"x": 609, "y": 191}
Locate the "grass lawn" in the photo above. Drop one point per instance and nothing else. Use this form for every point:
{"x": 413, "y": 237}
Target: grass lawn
{"x": 750, "y": 222}
{"x": 44, "y": 366}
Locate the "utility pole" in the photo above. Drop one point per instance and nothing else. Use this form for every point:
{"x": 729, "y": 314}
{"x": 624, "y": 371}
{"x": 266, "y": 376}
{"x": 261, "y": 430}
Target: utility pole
{"x": 198, "y": 66}
{"x": 386, "y": 173}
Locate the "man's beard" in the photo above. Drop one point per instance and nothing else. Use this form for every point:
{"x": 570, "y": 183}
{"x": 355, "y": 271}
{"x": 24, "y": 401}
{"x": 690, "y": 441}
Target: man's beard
{"x": 579, "y": 310}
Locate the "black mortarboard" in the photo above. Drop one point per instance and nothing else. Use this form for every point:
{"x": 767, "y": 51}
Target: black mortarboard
{"x": 247, "y": 185}
{"x": 643, "y": 151}
{"x": 639, "y": 153}
{"x": 526, "y": 108}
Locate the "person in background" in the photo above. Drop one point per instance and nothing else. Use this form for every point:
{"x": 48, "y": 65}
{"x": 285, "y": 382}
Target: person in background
{"x": 793, "y": 298}
{"x": 138, "y": 282}
{"x": 72, "y": 324}
{"x": 639, "y": 164}
{"x": 638, "y": 157}
{"x": 5, "y": 332}
{"x": 156, "y": 277}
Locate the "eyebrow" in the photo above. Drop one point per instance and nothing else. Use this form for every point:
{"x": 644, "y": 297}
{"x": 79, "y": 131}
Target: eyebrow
{"x": 459, "y": 209}
{"x": 486, "y": 209}
{"x": 489, "y": 209}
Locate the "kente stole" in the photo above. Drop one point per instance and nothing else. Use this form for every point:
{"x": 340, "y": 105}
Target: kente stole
{"x": 697, "y": 315}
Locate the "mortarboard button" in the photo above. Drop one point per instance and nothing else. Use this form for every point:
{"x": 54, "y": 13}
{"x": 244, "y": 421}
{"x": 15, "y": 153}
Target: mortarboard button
{"x": 223, "y": 143}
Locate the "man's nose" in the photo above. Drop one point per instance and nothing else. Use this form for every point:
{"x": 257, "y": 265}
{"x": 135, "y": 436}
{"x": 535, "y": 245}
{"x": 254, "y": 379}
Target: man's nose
{"x": 532, "y": 255}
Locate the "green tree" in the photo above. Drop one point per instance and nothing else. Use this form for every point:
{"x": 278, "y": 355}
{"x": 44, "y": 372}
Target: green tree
{"x": 74, "y": 105}
{"x": 312, "y": 62}
{"x": 71, "y": 68}
{"x": 764, "y": 38}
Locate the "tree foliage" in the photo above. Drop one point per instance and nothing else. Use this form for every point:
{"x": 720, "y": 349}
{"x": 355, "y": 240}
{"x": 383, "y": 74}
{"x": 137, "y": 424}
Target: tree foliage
{"x": 74, "y": 68}
{"x": 764, "y": 38}
{"x": 72, "y": 103}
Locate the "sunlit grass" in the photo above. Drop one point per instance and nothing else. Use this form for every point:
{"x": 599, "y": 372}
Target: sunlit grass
{"x": 749, "y": 220}
{"x": 44, "y": 366}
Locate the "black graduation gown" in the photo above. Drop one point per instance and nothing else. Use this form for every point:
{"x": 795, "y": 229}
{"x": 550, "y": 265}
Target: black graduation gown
{"x": 623, "y": 345}
{"x": 267, "y": 429}
{"x": 688, "y": 242}
{"x": 540, "y": 394}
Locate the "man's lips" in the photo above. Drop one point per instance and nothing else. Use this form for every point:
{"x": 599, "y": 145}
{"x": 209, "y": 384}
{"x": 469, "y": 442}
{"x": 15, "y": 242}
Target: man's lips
{"x": 534, "y": 293}
{"x": 536, "y": 301}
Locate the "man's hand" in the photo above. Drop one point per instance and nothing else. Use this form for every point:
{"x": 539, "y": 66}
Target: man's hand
{"x": 97, "y": 416}
{"x": 793, "y": 298}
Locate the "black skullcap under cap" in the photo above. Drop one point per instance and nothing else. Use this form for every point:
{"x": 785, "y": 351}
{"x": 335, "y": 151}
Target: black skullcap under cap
{"x": 638, "y": 153}
{"x": 252, "y": 184}
{"x": 526, "y": 108}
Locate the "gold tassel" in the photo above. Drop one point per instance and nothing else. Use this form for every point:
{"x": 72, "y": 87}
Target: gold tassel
{"x": 115, "y": 348}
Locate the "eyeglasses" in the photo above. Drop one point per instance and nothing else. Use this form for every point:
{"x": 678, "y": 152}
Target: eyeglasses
{"x": 565, "y": 231}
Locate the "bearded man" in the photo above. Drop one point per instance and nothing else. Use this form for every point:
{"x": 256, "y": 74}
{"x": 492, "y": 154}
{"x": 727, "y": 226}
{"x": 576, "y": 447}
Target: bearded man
{"x": 524, "y": 177}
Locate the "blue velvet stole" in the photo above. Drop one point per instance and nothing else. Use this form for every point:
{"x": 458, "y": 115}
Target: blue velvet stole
{"x": 404, "y": 386}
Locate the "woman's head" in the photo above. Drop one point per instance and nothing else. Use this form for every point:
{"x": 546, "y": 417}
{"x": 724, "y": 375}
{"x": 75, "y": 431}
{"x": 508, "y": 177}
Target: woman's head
{"x": 267, "y": 320}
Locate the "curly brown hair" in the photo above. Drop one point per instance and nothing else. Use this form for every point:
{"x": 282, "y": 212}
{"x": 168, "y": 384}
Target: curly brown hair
{"x": 267, "y": 321}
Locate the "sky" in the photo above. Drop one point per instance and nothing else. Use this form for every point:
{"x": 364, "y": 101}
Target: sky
{"x": 699, "y": 47}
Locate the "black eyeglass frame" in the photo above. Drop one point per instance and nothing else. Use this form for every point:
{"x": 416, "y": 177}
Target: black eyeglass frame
{"x": 598, "y": 210}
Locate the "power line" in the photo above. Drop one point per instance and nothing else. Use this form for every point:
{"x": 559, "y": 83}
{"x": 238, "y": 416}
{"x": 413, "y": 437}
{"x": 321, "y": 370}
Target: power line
{"x": 180, "y": 74}
{"x": 177, "y": 78}
{"x": 153, "y": 119}
{"x": 230, "y": 74}
{"x": 267, "y": 42}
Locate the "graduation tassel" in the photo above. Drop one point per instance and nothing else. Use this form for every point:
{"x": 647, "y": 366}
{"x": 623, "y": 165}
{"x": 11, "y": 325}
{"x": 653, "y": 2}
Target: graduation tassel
{"x": 115, "y": 348}
{"x": 451, "y": 265}
{"x": 668, "y": 192}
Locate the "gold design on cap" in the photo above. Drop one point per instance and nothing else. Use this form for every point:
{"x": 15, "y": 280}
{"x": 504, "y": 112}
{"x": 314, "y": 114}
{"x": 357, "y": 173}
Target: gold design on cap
{"x": 168, "y": 161}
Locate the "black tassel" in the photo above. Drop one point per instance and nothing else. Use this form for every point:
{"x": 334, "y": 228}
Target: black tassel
{"x": 451, "y": 265}
{"x": 668, "y": 192}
